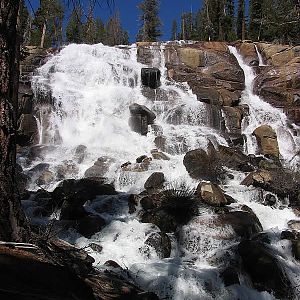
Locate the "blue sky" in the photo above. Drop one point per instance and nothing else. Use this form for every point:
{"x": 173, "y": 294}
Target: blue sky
{"x": 169, "y": 10}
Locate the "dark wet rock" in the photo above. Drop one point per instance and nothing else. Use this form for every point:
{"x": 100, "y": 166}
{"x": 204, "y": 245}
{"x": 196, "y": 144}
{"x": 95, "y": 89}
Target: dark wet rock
{"x": 80, "y": 153}
{"x": 112, "y": 264}
{"x": 72, "y": 211}
{"x": 234, "y": 117}
{"x": 210, "y": 165}
{"x": 137, "y": 167}
{"x": 45, "y": 178}
{"x": 71, "y": 194}
{"x": 82, "y": 189}
{"x": 150, "y": 77}
{"x": 294, "y": 225}
{"x": 100, "y": 167}
{"x": 155, "y": 181}
{"x": 27, "y": 130}
{"x": 90, "y": 225}
{"x": 141, "y": 117}
{"x": 26, "y": 104}
{"x": 296, "y": 248}
{"x": 211, "y": 194}
{"x": 41, "y": 167}
{"x": 160, "y": 142}
{"x": 39, "y": 151}
{"x": 230, "y": 276}
{"x": 267, "y": 140}
{"x": 161, "y": 243}
{"x": 22, "y": 180}
{"x": 290, "y": 235}
{"x": 165, "y": 221}
{"x": 133, "y": 201}
{"x": 264, "y": 269}
{"x": 137, "y": 109}
{"x": 270, "y": 200}
{"x": 159, "y": 155}
{"x": 67, "y": 169}
{"x": 96, "y": 247}
{"x": 148, "y": 202}
{"x": 283, "y": 183}
{"x": 244, "y": 223}
{"x": 141, "y": 158}
{"x": 200, "y": 165}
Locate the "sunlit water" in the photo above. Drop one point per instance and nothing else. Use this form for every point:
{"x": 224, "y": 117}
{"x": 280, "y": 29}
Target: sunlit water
{"x": 92, "y": 87}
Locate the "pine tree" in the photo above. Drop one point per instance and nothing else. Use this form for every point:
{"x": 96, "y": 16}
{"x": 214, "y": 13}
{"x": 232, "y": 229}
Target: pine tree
{"x": 174, "y": 30}
{"x": 99, "y": 31}
{"x": 115, "y": 35}
{"x": 240, "y": 23}
{"x": 47, "y": 24}
{"x": 150, "y": 22}
{"x": 74, "y": 30}
{"x": 255, "y": 25}
{"x": 228, "y": 20}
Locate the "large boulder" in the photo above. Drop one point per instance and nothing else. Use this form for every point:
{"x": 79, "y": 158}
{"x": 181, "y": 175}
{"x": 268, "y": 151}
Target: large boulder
{"x": 161, "y": 243}
{"x": 89, "y": 225}
{"x": 211, "y": 194}
{"x": 244, "y": 223}
{"x": 283, "y": 183}
{"x": 100, "y": 167}
{"x": 28, "y": 132}
{"x": 141, "y": 117}
{"x": 150, "y": 77}
{"x": 264, "y": 269}
{"x": 248, "y": 51}
{"x": 155, "y": 181}
{"x": 72, "y": 194}
{"x": 200, "y": 165}
{"x": 213, "y": 74}
{"x": 191, "y": 57}
{"x": 267, "y": 140}
{"x": 278, "y": 84}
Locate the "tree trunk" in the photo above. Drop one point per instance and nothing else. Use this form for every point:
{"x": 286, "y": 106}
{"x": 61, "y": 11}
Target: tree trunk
{"x": 43, "y": 35}
{"x": 11, "y": 215}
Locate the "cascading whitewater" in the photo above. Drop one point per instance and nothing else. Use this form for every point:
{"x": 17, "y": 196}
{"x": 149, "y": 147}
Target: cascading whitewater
{"x": 92, "y": 87}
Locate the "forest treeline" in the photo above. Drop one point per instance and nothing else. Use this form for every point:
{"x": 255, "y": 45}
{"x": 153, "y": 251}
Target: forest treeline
{"x": 228, "y": 20}
{"x": 224, "y": 20}
{"x": 53, "y": 24}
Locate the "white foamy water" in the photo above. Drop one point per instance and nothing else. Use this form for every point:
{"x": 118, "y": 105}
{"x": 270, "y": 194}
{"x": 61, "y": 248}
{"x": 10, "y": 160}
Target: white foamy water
{"x": 260, "y": 58}
{"x": 92, "y": 87}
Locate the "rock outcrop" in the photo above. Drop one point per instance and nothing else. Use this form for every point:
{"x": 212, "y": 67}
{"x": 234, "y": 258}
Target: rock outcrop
{"x": 279, "y": 84}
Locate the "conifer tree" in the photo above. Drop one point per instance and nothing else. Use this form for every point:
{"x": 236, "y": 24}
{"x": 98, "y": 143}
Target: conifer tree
{"x": 115, "y": 35}
{"x": 255, "y": 25}
{"x": 47, "y": 24}
{"x": 174, "y": 30}
{"x": 74, "y": 30}
{"x": 240, "y": 22}
{"x": 150, "y": 22}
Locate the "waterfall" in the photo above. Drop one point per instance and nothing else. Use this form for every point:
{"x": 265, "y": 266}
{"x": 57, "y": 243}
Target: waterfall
{"x": 92, "y": 87}
{"x": 260, "y": 58}
{"x": 262, "y": 113}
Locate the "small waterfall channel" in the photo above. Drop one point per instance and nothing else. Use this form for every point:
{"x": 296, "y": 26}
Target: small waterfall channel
{"x": 92, "y": 87}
